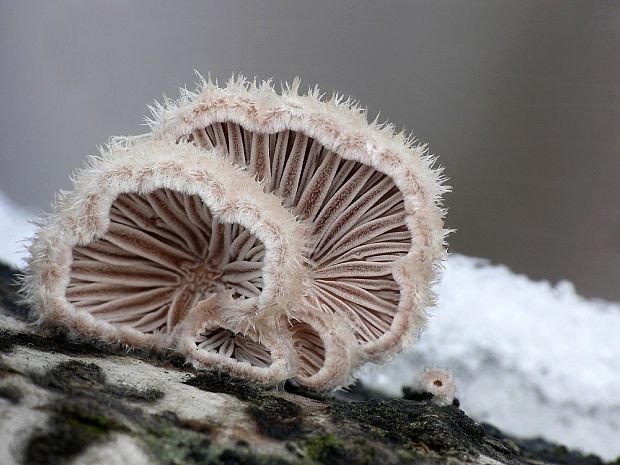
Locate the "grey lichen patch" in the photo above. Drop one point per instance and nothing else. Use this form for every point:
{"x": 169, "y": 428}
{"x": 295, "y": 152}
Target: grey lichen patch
{"x": 277, "y": 417}
{"x": 90, "y": 414}
{"x": 88, "y": 411}
{"x": 11, "y": 393}
{"x": 365, "y": 432}
{"x": 235, "y": 457}
{"x": 167, "y": 439}
{"x": 274, "y": 416}
{"x": 174, "y": 441}
{"x": 7, "y": 370}
{"x": 421, "y": 428}
{"x": 344, "y": 449}
{"x": 213, "y": 381}
{"x": 342, "y": 442}
{"x": 447, "y": 431}
{"x": 75, "y": 376}
{"x": 73, "y": 427}
{"x": 53, "y": 342}
{"x": 326, "y": 448}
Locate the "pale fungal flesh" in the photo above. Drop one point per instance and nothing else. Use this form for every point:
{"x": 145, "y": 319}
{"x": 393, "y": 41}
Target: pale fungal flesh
{"x": 272, "y": 236}
{"x": 152, "y": 230}
{"x": 439, "y": 383}
{"x": 369, "y": 198}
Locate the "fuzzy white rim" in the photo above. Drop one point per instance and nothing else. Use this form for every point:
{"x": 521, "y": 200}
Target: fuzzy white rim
{"x": 341, "y": 353}
{"x": 82, "y": 216}
{"x": 275, "y": 339}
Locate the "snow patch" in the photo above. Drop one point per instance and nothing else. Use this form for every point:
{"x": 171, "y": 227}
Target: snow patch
{"x": 15, "y": 231}
{"x": 532, "y": 358}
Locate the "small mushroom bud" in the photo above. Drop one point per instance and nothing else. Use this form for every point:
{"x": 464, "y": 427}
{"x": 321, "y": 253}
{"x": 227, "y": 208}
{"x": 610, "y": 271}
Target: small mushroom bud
{"x": 439, "y": 383}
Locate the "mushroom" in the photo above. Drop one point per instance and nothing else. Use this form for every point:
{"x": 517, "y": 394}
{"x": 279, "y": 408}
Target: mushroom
{"x": 370, "y": 199}
{"x": 439, "y": 383}
{"x": 153, "y": 230}
{"x": 269, "y": 235}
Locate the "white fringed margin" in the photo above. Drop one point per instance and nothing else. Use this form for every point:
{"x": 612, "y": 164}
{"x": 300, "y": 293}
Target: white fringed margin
{"x": 81, "y": 217}
{"x": 276, "y": 339}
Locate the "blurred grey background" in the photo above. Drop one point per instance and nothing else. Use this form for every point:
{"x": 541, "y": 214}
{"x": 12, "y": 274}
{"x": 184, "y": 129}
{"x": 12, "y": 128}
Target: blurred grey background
{"x": 519, "y": 100}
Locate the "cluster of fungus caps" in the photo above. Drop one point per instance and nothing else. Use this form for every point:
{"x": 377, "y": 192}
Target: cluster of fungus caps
{"x": 270, "y": 235}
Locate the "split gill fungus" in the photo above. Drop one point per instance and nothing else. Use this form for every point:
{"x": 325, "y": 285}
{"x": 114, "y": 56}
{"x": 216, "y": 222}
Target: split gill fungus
{"x": 270, "y": 235}
{"x": 149, "y": 232}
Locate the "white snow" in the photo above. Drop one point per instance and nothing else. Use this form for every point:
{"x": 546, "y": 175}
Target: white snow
{"x": 531, "y": 358}
{"x": 15, "y": 230}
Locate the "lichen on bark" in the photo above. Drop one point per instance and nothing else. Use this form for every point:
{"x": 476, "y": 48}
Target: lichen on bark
{"x": 62, "y": 400}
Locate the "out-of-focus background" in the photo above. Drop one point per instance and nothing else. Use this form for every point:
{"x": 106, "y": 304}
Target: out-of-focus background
{"x": 520, "y": 101}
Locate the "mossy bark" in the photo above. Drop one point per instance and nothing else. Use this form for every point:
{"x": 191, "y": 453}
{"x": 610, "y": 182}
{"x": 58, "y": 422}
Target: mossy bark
{"x": 61, "y": 398}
